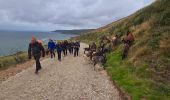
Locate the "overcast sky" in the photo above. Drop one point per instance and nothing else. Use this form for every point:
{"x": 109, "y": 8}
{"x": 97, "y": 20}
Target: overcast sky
{"x": 64, "y": 14}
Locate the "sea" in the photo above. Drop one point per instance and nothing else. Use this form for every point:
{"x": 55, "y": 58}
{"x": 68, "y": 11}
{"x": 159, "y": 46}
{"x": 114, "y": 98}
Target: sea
{"x": 12, "y": 42}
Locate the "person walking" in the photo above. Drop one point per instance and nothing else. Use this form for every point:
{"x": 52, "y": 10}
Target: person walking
{"x": 59, "y": 50}
{"x": 51, "y": 47}
{"x": 102, "y": 45}
{"x": 125, "y": 50}
{"x": 93, "y": 47}
{"x": 72, "y": 47}
{"x": 69, "y": 47}
{"x": 65, "y": 47}
{"x": 36, "y": 49}
{"x": 76, "y": 48}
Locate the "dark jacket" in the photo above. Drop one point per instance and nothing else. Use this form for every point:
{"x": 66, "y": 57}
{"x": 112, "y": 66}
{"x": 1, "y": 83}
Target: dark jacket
{"x": 35, "y": 49}
{"x": 77, "y": 45}
{"x": 59, "y": 47}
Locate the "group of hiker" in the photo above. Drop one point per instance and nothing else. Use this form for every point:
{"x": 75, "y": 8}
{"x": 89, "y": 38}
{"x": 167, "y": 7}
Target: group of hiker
{"x": 107, "y": 44}
{"x": 37, "y": 50}
{"x": 96, "y": 54}
{"x": 64, "y": 46}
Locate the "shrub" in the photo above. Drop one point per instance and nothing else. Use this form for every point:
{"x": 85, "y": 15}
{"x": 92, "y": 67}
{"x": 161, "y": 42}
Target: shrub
{"x": 17, "y": 58}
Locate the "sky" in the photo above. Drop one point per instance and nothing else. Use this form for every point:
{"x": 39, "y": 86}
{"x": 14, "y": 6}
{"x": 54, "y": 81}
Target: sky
{"x": 50, "y": 15}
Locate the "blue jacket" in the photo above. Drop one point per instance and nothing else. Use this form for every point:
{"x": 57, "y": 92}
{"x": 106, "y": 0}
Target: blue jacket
{"x": 51, "y": 45}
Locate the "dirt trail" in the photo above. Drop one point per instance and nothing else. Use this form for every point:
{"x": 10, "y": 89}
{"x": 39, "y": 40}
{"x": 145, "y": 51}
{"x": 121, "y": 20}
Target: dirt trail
{"x": 71, "y": 79}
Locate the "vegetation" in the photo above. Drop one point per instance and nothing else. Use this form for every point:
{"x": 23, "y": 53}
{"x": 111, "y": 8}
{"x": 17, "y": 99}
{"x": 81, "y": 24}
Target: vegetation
{"x": 145, "y": 74}
{"x": 17, "y": 58}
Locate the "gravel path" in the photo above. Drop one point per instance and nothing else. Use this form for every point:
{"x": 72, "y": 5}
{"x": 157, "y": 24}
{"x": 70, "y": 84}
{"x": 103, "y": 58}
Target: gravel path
{"x": 71, "y": 79}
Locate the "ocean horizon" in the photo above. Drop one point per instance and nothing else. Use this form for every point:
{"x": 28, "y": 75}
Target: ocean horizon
{"x": 13, "y": 41}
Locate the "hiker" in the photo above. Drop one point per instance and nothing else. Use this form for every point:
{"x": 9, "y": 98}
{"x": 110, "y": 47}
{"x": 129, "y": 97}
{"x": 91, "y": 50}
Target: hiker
{"x": 76, "y": 48}
{"x": 129, "y": 38}
{"x": 99, "y": 59}
{"x": 72, "y": 47}
{"x": 101, "y": 45}
{"x": 69, "y": 47}
{"x": 36, "y": 50}
{"x": 114, "y": 40}
{"x": 125, "y": 50}
{"x": 51, "y": 47}
{"x": 59, "y": 50}
{"x": 87, "y": 49}
{"x": 64, "y": 48}
{"x": 93, "y": 47}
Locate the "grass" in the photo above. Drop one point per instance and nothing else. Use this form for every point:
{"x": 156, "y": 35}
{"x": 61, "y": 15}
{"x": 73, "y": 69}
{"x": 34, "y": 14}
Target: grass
{"x": 17, "y": 58}
{"x": 145, "y": 73}
{"x": 136, "y": 80}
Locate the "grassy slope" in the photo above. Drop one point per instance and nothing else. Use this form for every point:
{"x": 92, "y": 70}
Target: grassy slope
{"x": 17, "y": 58}
{"x": 146, "y": 71}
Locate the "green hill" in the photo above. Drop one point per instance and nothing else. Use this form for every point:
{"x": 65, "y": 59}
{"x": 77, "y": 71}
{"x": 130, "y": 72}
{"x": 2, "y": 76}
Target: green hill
{"x": 145, "y": 74}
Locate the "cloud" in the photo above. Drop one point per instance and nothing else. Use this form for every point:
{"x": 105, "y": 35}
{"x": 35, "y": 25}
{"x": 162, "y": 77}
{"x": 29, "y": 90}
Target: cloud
{"x": 64, "y": 14}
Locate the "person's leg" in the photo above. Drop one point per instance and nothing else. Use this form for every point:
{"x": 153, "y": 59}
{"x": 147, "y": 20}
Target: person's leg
{"x": 38, "y": 65}
{"x": 59, "y": 56}
{"x": 74, "y": 52}
{"x": 77, "y": 51}
{"x": 66, "y": 52}
{"x": 71, "y": 50}
{"x": 124, "y": 54}
{"x": 63, "y": 52}
{"x": 51, "y": 53}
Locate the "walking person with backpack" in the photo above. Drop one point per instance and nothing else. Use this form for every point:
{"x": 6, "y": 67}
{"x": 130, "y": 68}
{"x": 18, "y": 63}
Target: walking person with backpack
{"x": 51, "y": 47}
{"x": 36, "y": 50}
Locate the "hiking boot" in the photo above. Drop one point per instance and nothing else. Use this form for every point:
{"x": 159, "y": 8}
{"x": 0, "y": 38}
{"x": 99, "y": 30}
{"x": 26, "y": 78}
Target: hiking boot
{"x": 36, "y": 72}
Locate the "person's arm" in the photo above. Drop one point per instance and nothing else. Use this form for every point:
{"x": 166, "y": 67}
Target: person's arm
{"x": 79, "y": 44}
{"x": 29, "y": 51}
{"x": 48, "y": 45}
{"x": 54, "y": 45}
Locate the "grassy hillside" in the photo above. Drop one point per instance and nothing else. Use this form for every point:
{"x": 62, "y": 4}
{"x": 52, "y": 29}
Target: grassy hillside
{"x": 14, "y": 59}
{"x": 146, "y": 71}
